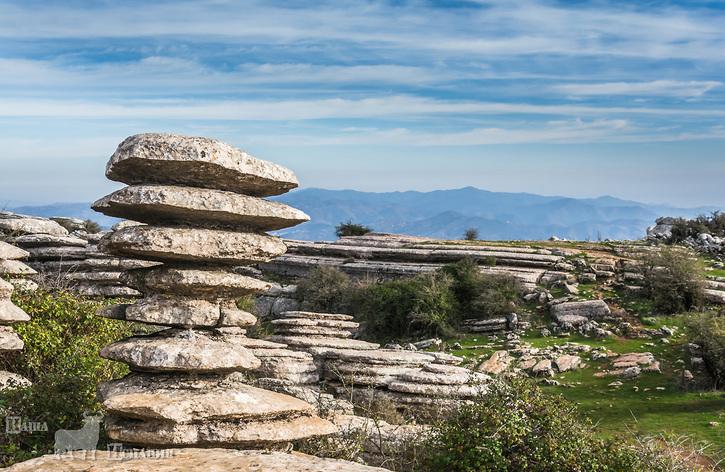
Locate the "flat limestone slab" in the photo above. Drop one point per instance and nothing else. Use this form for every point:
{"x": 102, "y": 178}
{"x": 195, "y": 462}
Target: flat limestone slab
{"x": 184, "y": 281}
{"x": 6, "y": 290}
{"x": 197, "y": 206}
{"x": 231, "y": 433}
{"x": 442, "y": 375}
{"x": 197, "y": 162}
{"x": 187, "y": 312}
{"x": 312, "y": 322}
{"x": 193, "y": 244}
{"x": 184, "y": 460}
{"x": 180, "y": 350}
{"x": 316, "y": 316}
{"x": 34, "y": 240}
{"x": 302, "y": 342}
{"x": 21, "y": 224}
{"x": 15, "y": 268}
{"x": 10, "y": 313}
{"x": 9, "y": 339}
{"x": 186, "y": 399}
{"x": 8, "y": 251}
{"x": 11, "y": 380}
{"x": 311, "y": 331}
{"x": 437, "y": 390}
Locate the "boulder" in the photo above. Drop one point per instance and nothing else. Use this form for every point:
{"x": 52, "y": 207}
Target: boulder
{"x": 10, "y": 380}
{"x": 196, "y": 162}
{"x": 8, "y": 251}
{"x": 10, "y": 313}
{"x": 15, "y": 268}
{"x": 22, "y": 224}
{"x": 591, "y": 309}
{"x": 566, "y": 362}
{"x": 193, "y": 245}
{"x": 543, "y": 369}
{"x": 9, "y": 339}
{"x": 198, "y": 206}
{"x": 497, "y": 363}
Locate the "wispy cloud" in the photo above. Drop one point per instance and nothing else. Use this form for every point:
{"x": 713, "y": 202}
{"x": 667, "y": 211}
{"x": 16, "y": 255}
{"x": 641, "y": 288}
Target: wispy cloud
{"x": 672, "y": 88}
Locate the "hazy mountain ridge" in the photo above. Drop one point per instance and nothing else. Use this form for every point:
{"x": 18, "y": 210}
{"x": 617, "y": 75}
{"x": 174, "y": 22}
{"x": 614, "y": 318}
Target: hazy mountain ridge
{"x": 447, "y": 214}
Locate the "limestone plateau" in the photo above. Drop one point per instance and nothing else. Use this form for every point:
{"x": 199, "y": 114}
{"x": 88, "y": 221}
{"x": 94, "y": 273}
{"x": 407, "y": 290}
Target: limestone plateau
{"x": 198, "y": 204}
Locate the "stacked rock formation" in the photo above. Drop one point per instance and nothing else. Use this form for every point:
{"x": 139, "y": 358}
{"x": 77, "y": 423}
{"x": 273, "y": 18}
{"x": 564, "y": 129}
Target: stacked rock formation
{"x": 70, "y": 260}
{"x": 9, "y": 313}
{"x": 200, "y": 201}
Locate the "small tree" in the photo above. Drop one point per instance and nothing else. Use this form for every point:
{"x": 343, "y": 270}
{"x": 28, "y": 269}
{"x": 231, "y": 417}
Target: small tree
{"x": 90, "y": 226}
{"x": 349, "y": 228}
{"x": 471, "y": 234}
{"x": 672, "y": 280}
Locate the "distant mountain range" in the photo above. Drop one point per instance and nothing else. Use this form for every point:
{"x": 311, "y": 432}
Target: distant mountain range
{"x": 446, "y": 214}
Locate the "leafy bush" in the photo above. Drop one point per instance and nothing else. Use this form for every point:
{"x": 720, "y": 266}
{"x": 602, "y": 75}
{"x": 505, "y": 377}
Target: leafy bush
{"x": 672, "y": 280}
{"x": 470, "y": 234}
{"x": 90, "y": 226}
{"x": 400, "y": 309}
{"x": 60, "y": 357}
{"x": 434, "y": 304}
{"x": 683, "y": 228}
{"x": 708, "y": 330}
{"x": 349, "y": 228}
{"x": 326, "y": 289}
{"x": 516, "y": 427}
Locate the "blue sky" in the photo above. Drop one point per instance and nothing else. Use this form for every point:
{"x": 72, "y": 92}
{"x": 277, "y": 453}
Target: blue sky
{"x": 572, "y": 98}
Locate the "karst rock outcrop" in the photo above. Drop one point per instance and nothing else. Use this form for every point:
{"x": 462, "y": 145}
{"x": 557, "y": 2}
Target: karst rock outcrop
{"x": 11, "y": 267}
{"x": 200, "y": 204}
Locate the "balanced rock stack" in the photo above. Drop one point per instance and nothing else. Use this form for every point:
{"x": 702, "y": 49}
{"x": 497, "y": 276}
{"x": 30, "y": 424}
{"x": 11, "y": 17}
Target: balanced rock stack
{"x": 200, "y": 201}
{"x": 9, "y": 313}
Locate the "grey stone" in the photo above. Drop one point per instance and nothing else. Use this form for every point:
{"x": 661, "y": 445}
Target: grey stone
{"x": 193, "y": 244}
{"x": 591, "y": 309}
{"x": 8, "y": 251}
{"x": 197, "y": 162}
{"x": 311, "y": 331}
{"x": 198, "y": 206}
{"x": 231, "y": 433}
{"x": 9, "y": 339}
{"x": 566, "y": 362}
{"x": 187, "y": 399}
{"x": 180, "y": 350}
{"x": 337, "y": 324}
{"x": 185, "y": 281}
{"x": 69, "y": 223}
{"x": 304, "y": 342}
{"x": 10, "y": 313}
{"x": 497, "y": 363}
{"x": 317, "y": 316}
{"x": 15, "y": 268}
{"x": 10, "y": 380}
{"x": 44, "y": 240}
{"x": 543, "y": 369}
{"x": 22, "y": 224}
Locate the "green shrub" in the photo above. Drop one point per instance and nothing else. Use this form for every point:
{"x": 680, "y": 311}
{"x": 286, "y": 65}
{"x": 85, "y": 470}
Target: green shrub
{"x": 708, "y": 330}
{"x": 683, "y": 228}
{"x": 672, "y": 280}
{"x": 349, "y": 228}
{"x": 516, "y": 427}
{"x": 420, "y": 306}
{"x": 90, "y": 226}
{"x": 326, "y": 289}
{"x": 60, "y": 357}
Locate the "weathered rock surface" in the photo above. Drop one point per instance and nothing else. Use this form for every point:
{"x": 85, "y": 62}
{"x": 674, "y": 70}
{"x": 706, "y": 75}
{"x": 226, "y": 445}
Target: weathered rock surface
{"x": 317, "y": 316}
{"x": 193, "y": 244}
{"x": 180, "y": 350}
{"x": 184, "y": 460}
{"x": 8, "y": 251}
{"x": 15, "y": 268}
{"x": 196, "y": 162}
{"x": 591, "y": 309}
{"x": 188, "y": 399}
{"x": 10, "y": 380}
{"x": 231, "y": 433}
{"x": 186, "y": 281}
{"x": 567, "y": 362}
{"x": 303, "y": 342}
{"x": 10, "y": 313}
{"x": 23, "y": 224}
{"x": 9, "y": 339}
{"x": 497, "y": 363}
{"x": 45, "y": 240}
{"x": 188, "y": 205}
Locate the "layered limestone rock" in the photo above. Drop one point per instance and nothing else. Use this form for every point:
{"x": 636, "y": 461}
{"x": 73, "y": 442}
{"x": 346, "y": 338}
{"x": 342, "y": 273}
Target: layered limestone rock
{"x": 9, "y": 313}
{"x": 74, "y": 259}
{"x": 199, "y": 201}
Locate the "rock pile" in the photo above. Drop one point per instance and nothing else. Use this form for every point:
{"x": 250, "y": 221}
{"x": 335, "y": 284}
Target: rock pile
{"x": 200, "y": 201}
{"x": 9, "y": 313}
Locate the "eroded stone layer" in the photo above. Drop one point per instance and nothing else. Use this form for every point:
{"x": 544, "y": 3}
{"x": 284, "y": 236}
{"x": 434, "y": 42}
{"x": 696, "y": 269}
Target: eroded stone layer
{"x": 186, "y": 399}
{"x": 230, "y": 433}
{"x": 185, "y": 281}
{"x": 198, "y": 206}
{"x": 197, "y": 162}
{"x": 8, "y": 251}
{"x": 193, "y": 244}
{"x": 181, "y": 350}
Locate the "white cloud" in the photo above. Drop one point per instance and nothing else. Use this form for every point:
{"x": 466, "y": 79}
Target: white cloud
{"x": 672, "y": 88}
